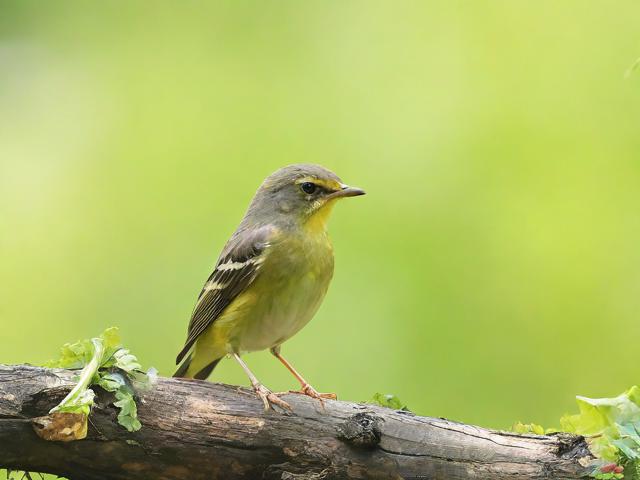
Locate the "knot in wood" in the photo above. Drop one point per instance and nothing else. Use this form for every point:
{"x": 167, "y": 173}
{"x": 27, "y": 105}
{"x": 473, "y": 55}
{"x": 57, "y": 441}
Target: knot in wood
{"x": 362, "y": 430}
{"x": 571, "y": 446}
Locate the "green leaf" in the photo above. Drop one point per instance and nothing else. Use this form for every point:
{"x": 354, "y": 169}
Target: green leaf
{"x": 126, "y": 361}
{"x": 608, "y": 476}
{"x": 80, "y": 398}
{"x": 105, "y": 363}
{"x": 388, "y": 400}
{"x": 73, "y": 355}
{"x": 610, "y": 425}
{"x": 634, "y": 394}
{"x": 590, "y": 421}
{"x": 111, "y": 339}
{"x": 128, "y": 415}
{"x": 527, "y": 428}
{"x": 627, "y": 450}
{"x": 629, "y": 431}
{"x": 619, "y": 409}
{"x": 81, "y": 403}
{"x": 77, "y": 355}
{"x": 111, "y": 382}
{"x": 603, "y": 448}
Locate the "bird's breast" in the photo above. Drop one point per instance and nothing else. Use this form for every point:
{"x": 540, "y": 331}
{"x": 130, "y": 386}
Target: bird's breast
{"x": 287, "y": 292}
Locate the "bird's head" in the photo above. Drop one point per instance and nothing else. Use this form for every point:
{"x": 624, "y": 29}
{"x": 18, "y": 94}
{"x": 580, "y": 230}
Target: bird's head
{"x": 302, "y": 193}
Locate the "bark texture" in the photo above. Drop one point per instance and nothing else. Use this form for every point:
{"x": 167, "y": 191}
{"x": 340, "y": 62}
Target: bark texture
{"x": 200, "y": 430}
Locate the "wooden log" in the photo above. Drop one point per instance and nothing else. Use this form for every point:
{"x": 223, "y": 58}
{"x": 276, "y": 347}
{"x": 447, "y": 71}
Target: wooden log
{"x": 200, "y": 430}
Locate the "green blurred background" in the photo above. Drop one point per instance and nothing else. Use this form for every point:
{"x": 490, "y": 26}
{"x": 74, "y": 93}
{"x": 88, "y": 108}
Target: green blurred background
{"x": 493, "y": 271}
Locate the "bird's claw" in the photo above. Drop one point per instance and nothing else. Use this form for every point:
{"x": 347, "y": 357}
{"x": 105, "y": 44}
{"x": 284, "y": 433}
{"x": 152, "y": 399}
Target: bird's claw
{"x": 269, "y": 399}
{"x": 309, "y": 391}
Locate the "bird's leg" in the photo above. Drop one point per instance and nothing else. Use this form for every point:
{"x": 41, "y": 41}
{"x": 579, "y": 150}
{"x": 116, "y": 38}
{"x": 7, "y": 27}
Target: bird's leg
{"x": 266, "y": 395}
{"x": 305, "y": 389}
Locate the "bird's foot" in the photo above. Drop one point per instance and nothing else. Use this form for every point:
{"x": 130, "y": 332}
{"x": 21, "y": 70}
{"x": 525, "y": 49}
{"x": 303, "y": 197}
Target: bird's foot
{"x": 270, "y": 399}
{"x": 309, "y": 391}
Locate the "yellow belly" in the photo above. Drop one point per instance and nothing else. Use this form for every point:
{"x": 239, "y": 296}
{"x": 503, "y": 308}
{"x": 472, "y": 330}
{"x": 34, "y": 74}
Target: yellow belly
{"x": 275, "y": 318}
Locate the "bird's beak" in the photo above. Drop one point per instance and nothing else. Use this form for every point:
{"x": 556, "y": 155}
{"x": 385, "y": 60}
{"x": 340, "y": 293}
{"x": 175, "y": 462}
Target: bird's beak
{"x": 347, "y": 191}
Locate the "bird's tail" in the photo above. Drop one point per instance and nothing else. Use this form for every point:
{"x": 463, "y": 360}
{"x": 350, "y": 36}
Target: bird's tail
{"x": 189, "y": 369}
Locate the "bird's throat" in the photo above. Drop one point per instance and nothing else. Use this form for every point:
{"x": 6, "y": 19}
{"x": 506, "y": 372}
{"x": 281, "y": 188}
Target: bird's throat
{"x": 317, "y": 222}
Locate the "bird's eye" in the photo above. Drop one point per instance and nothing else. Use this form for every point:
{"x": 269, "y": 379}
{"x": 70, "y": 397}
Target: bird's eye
{"x": 308, "y": 187}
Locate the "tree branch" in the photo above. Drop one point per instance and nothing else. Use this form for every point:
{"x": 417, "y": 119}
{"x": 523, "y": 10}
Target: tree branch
{"x": 200, "y": 430}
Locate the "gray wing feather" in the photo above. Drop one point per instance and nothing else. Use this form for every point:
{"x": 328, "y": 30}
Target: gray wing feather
{"x": 235, "y": 270}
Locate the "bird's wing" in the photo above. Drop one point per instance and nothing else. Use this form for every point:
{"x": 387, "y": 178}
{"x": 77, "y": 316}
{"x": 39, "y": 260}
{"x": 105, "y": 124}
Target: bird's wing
{"x": 235, "y": 270}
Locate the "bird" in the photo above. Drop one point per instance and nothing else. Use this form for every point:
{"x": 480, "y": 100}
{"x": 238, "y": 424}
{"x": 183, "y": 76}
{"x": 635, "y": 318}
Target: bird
{"x": 270, "y": 278}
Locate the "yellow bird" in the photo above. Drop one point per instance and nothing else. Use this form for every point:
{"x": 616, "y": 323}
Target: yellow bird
{"x": 270, "y": 278}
